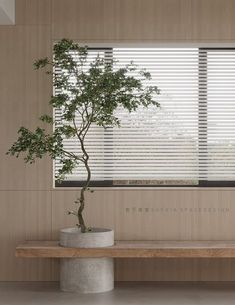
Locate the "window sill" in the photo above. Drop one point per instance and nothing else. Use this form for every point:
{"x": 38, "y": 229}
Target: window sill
{"x": 149, "y": 188}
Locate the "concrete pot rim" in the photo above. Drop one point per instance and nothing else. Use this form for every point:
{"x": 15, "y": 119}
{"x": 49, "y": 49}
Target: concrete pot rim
{"x": 74, "y": 230}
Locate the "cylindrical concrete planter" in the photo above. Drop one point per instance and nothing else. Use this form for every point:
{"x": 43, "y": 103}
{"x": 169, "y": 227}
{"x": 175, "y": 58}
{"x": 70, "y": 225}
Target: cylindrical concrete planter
{"x": 86, "y": 275}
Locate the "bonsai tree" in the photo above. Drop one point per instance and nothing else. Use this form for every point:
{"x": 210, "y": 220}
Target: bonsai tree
{"x": 92, "y": 98}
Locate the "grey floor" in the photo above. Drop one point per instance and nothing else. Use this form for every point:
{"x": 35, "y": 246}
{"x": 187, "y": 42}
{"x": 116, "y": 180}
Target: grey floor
{"x": 124, "y": 293}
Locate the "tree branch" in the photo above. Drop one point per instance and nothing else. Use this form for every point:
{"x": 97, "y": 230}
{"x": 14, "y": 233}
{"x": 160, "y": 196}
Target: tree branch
{"x": 73, "y": 155}
{"x": 84, "y": 188}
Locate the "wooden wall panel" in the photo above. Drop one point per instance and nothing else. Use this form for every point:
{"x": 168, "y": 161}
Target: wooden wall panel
{"x": 24, "y": 215}
{"x": 132, "y": 20}
{"x": 24, "y": 97}
{"x": 144, "y": 20}
{"x": 33, "y": 12}
{"x": 213, "y": 20}
{"x": 175, "y": 270}
{"x": 153, "y": 214}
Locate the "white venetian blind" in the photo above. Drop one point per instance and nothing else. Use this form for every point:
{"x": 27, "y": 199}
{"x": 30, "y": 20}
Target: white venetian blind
{"x": 220, "y": 153}
{"x": 189, "y": 139}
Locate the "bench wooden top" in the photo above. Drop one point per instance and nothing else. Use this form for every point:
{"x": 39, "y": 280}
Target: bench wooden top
{"x": 131, "y": 249}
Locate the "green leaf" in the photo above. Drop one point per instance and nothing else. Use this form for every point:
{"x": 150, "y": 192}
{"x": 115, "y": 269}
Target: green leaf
{"x": 41, "y": 63}
{"x": 46, "y": 118}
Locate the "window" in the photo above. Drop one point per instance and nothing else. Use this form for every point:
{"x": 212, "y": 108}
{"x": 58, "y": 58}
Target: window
{"x": 190, "y": 141}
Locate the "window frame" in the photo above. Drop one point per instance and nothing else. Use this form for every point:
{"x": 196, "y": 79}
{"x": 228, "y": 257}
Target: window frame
{"x": 202, "y": 129}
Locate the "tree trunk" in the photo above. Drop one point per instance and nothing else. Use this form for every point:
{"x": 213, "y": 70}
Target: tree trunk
{"x": 82, "y": 200}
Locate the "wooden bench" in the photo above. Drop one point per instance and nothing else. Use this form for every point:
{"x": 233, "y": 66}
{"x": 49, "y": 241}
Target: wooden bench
{"x": 131, "y": 249}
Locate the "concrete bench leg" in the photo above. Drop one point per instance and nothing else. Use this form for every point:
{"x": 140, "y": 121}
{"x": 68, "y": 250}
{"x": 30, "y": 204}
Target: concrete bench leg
{"x": 86, "y": 275}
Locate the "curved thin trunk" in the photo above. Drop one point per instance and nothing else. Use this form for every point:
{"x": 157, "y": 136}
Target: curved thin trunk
{"x": 81, "y": 139}
{"x": 82, "y": 200}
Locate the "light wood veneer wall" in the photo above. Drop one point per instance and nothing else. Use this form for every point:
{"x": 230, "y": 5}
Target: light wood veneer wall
{"x": 29, "y": 206}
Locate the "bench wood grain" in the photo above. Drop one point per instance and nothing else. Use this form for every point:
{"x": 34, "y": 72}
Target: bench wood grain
{"x": 131, "y": 249}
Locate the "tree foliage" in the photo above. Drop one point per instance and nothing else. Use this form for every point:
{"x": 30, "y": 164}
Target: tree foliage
{"x": 88, "y": 96}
